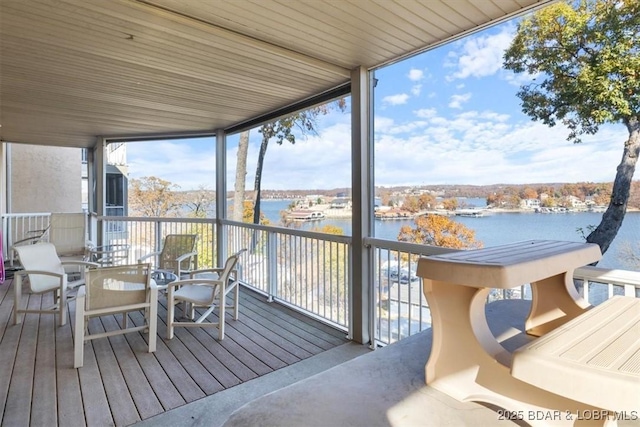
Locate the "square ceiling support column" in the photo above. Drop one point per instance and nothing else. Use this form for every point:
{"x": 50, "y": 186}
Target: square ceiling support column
{"x": 362, "y": 196}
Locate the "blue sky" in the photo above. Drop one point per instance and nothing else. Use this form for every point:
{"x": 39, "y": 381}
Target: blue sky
{"x": 447, "y": 116}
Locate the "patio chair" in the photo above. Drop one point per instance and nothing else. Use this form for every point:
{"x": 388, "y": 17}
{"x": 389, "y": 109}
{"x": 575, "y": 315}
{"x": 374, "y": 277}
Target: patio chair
{"x": 178, "y": 255}
{"x": 115, "y": 290}
{"x": 67, "y": 232}
{"x": 46, "y": 274}
{"x": 205, "y": 288}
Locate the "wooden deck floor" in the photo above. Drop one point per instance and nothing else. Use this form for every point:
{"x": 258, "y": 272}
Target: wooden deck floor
{"x": 120, "y": 382}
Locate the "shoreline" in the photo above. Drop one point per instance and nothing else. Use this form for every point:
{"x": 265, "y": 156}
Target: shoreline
{"x": 347, "y": 212}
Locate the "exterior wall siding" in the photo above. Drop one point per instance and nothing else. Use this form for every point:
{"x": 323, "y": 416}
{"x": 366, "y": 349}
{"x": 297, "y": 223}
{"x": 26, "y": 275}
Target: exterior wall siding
{"x": 45, "y": 179}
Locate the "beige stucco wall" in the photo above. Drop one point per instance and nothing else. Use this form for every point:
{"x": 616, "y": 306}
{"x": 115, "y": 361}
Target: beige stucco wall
{"x": 45, "y": 179}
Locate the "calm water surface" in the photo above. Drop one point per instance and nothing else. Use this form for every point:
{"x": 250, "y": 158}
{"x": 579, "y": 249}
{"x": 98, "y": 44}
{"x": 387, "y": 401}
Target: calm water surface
{"x": 501, "y": 228}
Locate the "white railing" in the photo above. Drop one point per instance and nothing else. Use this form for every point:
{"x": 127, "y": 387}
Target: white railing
{"x": 401, "y": 310}
{"x": 16, "y": 227}
{"x": 307, "y": 270}
{"x": 399, "y": 306}
{"x": 145, "y": 235}
{"x": 312, "y": 272}
{"x": 598, "y": 284}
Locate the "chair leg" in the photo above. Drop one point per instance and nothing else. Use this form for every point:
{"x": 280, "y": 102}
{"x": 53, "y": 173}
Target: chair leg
{"x": 236, "y": 302}
{"x": 17, "y": 297}
{"x": 62, "y": 306}
{"x": 221, "y": 315}
{"x": 170, "y": 314}
{"x": 78, "y": 335}
{"x": 152, "y": 320}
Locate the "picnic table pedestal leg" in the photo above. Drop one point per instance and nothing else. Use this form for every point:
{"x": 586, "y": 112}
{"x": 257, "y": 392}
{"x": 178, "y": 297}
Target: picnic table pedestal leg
{"x": 468, "y": 364}
{"x": 555, "y": 301}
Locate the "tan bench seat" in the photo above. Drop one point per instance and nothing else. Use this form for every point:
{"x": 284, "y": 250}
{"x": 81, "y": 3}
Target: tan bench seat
{"x": 594, "y": 358}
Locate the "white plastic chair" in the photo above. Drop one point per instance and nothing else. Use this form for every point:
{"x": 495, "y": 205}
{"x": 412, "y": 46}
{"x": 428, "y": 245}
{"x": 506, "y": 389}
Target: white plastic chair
{"x": 205, "y": 288}
{"x": 115, "y": 290}
{"x": 46, "y": 274}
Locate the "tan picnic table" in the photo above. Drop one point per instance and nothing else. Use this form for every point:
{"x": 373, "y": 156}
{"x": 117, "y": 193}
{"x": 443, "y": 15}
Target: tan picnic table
{"x": 466, "y": 360}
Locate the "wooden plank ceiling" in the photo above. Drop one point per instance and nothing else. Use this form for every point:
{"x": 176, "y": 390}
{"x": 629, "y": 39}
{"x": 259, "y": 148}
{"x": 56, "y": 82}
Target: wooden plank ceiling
{"x": 72, "y": 70}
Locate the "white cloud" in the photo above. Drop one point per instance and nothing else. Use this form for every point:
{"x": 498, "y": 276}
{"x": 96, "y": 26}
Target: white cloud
{"x": 415, "y": 90}
{"x": 180, "y": 162}
{"x": 480, "y": 56}
{"x": 396, "y": 99}
{"x": 472, "y": 147}
{"x": 426, "y": 113}
{"x": 518, "y": 79}
{"x": 415, "y": 75}
{"x": 482, "y": 147}
{"x": 457, "y": 100}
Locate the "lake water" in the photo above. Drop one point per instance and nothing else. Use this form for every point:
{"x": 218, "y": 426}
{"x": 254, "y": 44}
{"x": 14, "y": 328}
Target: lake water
{"x": 501, "y": 228}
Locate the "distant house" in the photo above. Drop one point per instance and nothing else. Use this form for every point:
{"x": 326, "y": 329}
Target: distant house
{"x": 530, "y": 203}
{"x": 340, "y": 203}
{"x": 574, "y": 202}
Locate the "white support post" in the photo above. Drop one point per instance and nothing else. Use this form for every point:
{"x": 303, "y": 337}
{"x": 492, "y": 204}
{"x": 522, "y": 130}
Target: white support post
{"x": 362, "y": 184}
{"x": 221, "y": 195}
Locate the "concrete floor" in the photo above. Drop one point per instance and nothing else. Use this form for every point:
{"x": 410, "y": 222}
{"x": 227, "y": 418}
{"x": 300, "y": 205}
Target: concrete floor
{"x": 352, "y": 386}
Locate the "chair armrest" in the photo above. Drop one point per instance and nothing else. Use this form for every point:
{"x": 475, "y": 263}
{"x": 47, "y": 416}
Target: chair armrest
{"x": 85, "y": 263}
{"x": 31, "y": 239}
{"x": 112, "y": 249}
{"x": 148, "y": 256}
{"x": 185, "y": 256}
{"x": 206, "y": 270}
{"x": 206, "y": 282}
{"x": 39, "y": 272}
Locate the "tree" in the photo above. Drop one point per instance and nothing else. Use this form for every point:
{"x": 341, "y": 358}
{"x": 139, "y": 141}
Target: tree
{"x": 426, "y": 201}
{"x": 241, "y": 176}
{"x": 283, "y": 130}
{"x": 450, "y": 204}
{"x": 586, "y": 63}
{"x": 411, "y": 204}
{"x": 196, "y": 202}
{"x": 154, "y": 197}
{"x": 439, "y": 230}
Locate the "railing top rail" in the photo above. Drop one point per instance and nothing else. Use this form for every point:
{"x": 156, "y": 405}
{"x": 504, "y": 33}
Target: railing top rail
{"x": 407, "y": 247}
{"x": 156, "y": 219}
{"x": 605, "y": 275}
{"x": 25, "y": 215}
{"x": 290, "y": 231}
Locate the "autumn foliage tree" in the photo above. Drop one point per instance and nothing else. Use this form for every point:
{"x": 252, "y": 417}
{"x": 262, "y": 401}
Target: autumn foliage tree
{"x": 439, "y": 230}
{"x": 585, "y": 60}
{"x": 150, "y": 196}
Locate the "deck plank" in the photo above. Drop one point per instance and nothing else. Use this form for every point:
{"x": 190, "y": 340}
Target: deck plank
{"x": 44, "y": 403}
{"x": 298, "y": 342}
{"x": 164, "y": 389}
{"x": 141, "y": 392}
{"x": 319, "y": 330}
{"x": 260, "y": 367}
{"x": 69, "y": 396}
{"x": 123, "y": 410}
{"x": 16, "y": 412}
{"x": 120, "y": 382}
{"x": 8, "y": 349}
{"x": 94, "y": 396}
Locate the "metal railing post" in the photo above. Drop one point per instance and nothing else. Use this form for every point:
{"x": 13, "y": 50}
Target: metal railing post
{"x": 272, "y": 265}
